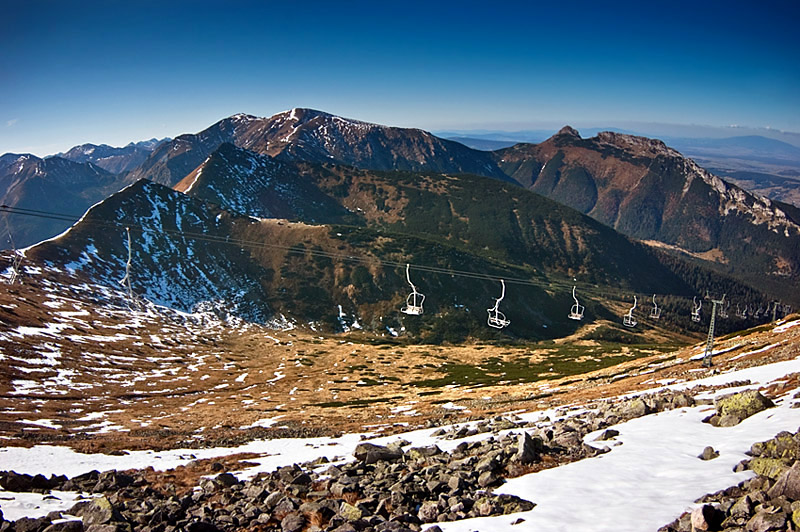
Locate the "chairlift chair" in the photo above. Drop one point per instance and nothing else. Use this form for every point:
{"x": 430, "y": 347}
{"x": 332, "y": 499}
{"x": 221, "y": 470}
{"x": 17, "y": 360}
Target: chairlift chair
{"x": 413, "y": 306}
{"x": 723, "y": 310}
{"x": 696, "y": 309}
{"x": 628, "y": 320}
{"x": 655, "y": 313}
{"x": 576, "y": 312}
{"x": 496, "y": 318}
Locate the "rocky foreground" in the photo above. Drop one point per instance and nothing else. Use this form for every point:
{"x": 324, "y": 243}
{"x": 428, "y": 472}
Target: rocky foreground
{"x": 383, "y": 489}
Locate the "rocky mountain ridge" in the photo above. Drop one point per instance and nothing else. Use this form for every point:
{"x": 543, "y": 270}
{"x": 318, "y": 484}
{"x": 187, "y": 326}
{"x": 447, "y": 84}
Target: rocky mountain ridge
{"x": 315, "y": 136}
{"x": 650, "y": 192}
{"x": 112, "y": 159}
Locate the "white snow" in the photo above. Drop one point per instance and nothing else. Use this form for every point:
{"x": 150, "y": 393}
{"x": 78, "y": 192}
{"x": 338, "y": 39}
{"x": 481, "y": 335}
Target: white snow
{"x": 264, "y": 423}
{"x": 35, "y": 504}
{"x": 765, "y": 348}
{"x": 786, "y": 326}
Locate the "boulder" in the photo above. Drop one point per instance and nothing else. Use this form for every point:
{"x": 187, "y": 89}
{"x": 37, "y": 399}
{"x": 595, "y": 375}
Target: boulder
{"x": 527, "y": 448}
{"x": 702, "y": 516}
{"x": 766, "y": 522}
{"x": 201, "y": 526}
{"x": 428, "y": 512}
{"x": 98, "y": 511}
{"x": 742, "y": 405}
{"x": 350, "y": 512}
{"x": 771, "y": 468}
{"x": 636, "y": 407}
{"x": 370, "y": 453}
{"x": 13, "y": 481}
{"x": 607, "y": 435}
{"x": 708, "y": 454}
{"x": 226, "y": 480}
{"x": 488, "y": 478}
{"x": 29, "y": 524}
{"x": 417, "y": 453}
{"x": 788, "y": 484}
{"x": 294, "y": 522}
{"x": 742, "y": 508}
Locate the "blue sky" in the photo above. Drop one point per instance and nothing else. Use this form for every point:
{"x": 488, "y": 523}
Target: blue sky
{"x": 111, "y": 72}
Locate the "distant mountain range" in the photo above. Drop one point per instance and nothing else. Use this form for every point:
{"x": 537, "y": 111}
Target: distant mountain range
{"x": 55, "y": 185}
{"x": 114, "y": 160}
{"x": 391, "y": 196}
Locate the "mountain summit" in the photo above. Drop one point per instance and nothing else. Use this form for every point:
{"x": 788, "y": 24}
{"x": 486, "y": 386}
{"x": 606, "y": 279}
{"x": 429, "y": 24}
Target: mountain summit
{"x": 314, "y": 136}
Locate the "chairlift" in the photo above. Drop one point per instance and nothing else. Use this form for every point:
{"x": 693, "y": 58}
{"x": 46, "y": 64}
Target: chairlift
{"x": 696, "y": 310}
{"x": 758, "y": 313}
{"x": 745, "y": 312}
{"x": 576, "y": 312}
{"x": 496, "y": 318}
{"x": 628, "y": 320}
{"x": 723, "y": 310}
{"x": 414, "y": 300}
{"x": 655, "y": 313}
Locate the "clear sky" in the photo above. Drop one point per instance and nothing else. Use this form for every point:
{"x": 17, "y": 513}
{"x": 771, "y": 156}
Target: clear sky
{"x": 116, "y": 71}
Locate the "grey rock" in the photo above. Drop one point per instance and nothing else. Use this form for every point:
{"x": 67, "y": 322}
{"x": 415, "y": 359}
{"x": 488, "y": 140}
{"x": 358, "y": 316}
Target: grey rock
{"x": 428, "y": 512}
{"x": 370, "y": 453}
{"x": 766, "y": 522}
{"x": 728, "y": 420}
{"x": 417, "y": 453}
{"x": 294, "y": 522}
{"x": 708, "y": 454}
{"x": 108, "y": 527}
{"x": 636, "y": 407}
{"x": 29, "y": 524}
{"x": 98, "y": 511}
{"x": 788, "y": 484}
{"x": 703, "y": 517}
{"x": 743, "y": 508}
{"x": 226, "y": 479}
{"x": 350, "y": 512}
{"x": 527, "y": 448}
{"x": 607, "y": 435}
{"x": 488, "y": 478}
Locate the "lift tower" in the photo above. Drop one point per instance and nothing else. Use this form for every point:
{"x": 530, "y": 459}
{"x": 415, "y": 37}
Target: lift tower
{"x": 710, "y": 342}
